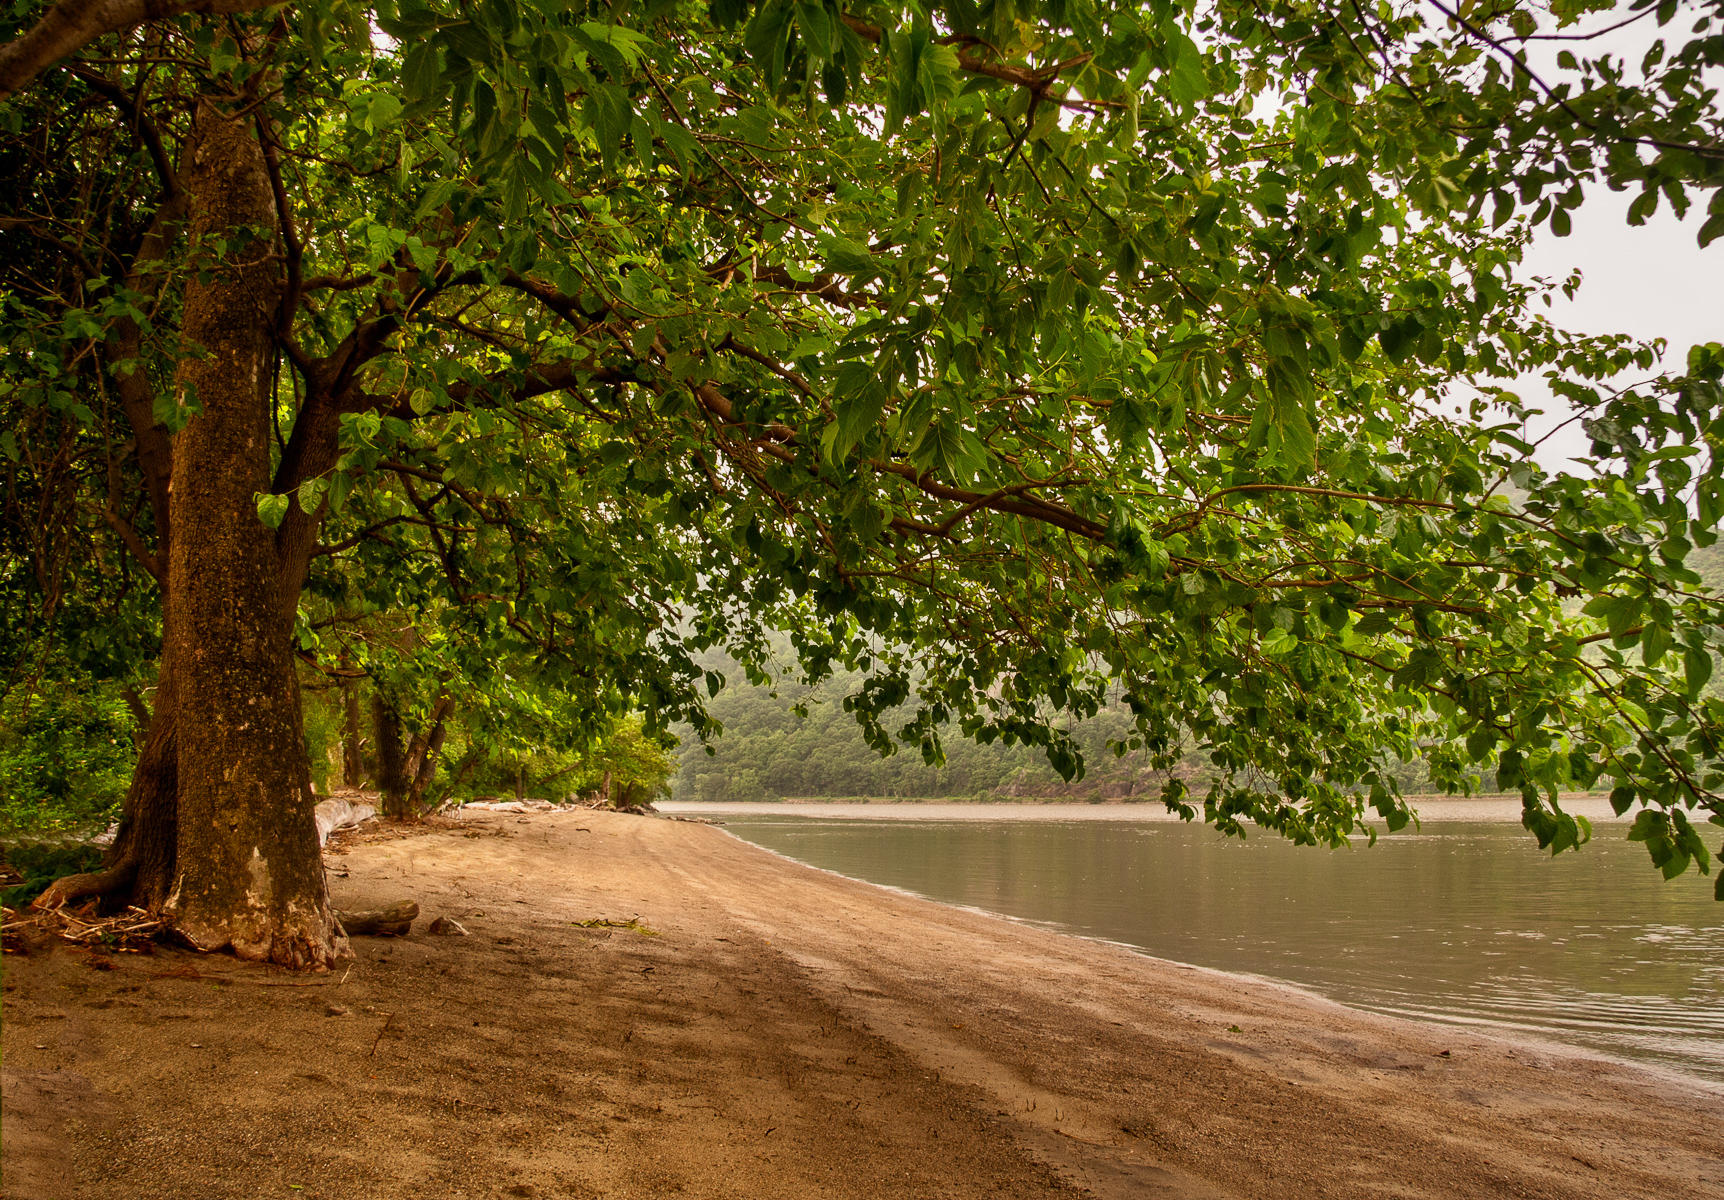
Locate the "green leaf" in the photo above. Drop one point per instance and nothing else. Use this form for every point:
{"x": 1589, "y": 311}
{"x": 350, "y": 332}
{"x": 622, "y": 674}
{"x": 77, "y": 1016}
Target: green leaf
{"x": 1654, "y": 641}
{"x": 1288, "y": 432}
{"x": 1399, "y": 338}
{"x": 1712, "y": 229}
{"x": 422, "y": 71}
{"x": 856, "y": 411}
{"x": 1278, "y": 642}
{"x": 1697, "y": 669}
{"x": 939, "y": 447}
{"x": 847, "y": 257}
{"x": 1185, "y": 78}
{"x": 1480, "y": 742}
{"x": 311, "y": 494}
{"x": 272, "y": 508}
{"x": 817, "y": 27}
{"x": 766, "y": 39}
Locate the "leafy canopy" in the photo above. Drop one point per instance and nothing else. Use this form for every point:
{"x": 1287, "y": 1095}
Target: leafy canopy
{"x": 1007, "y": 353}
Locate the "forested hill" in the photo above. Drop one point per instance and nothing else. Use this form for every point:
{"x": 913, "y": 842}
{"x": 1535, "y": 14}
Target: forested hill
{"x": 769, "y": 752}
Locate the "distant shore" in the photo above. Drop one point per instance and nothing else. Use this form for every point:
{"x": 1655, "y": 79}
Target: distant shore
{"x": 1495, "y": 808}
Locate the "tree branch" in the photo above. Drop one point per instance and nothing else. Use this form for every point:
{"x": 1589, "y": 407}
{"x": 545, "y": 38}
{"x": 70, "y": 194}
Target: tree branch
{"x": 1519, "y": 63}
{"x": 132, "y": 106}
{"x": 70, "y": 25}
{"x": 1037, "y": 81}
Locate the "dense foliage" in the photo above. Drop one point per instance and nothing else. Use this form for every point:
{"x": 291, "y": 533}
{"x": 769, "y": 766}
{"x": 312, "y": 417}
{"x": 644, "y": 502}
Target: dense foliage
{"x": 66, "y": 752}
{"x": 1012, "y": 356}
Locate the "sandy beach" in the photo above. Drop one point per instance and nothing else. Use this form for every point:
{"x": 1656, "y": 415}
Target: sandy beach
{"x": 652, "y": 1008}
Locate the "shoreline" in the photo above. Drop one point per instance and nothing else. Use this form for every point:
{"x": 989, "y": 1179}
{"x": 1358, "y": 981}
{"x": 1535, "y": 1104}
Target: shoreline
{"x": 1531, "y": 1039}
{"x": 1430, "y": 809}
{"x": 646, "y": 1007}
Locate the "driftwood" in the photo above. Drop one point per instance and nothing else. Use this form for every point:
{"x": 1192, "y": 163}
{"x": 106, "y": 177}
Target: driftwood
{"x": 132, "y": 931}
{"x": 511, "y": 806}
{"x": 392, "y": 921}
{"x": 339, "y": 813}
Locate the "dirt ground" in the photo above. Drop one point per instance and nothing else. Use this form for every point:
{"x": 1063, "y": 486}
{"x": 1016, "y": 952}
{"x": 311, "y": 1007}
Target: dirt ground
{"x": 752, "y": 1028}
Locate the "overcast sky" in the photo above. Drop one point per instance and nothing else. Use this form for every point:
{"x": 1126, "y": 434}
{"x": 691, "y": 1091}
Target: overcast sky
{"x": 1650, "y": 281}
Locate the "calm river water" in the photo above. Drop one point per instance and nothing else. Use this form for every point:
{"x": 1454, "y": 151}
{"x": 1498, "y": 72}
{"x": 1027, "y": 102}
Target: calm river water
{"x": 1463, "y": 922}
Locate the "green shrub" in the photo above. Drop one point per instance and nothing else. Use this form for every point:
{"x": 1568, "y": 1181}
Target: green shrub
{"x": 66, "y": 755}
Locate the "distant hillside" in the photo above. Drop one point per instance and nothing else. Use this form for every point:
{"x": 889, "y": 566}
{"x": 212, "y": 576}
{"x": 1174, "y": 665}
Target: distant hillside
{"x": 768, "y": 752}
{"x": 1710, "y": 565}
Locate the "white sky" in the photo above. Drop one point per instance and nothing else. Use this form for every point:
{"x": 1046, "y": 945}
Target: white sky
{"x": 1648, "y": 281}
{"x": 1651, "y": 281}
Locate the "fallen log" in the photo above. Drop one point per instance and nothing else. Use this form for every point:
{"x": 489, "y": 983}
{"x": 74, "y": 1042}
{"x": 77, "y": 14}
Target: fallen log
{"x": 392, "y": 921}
{"x": 339, "y": 813}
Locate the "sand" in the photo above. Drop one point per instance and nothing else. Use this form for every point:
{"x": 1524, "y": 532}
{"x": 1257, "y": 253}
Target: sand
{"x": 754, "y": 1028}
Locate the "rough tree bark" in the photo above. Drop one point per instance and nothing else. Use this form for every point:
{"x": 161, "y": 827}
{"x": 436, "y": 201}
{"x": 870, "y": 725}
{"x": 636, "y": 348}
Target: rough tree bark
{"x": 218, "y": 832}
{"x": 352, "y": 757}
{"x": 425, "y": 753}
{"x": 248, "y": 873}
{"x": 391, "y": 756}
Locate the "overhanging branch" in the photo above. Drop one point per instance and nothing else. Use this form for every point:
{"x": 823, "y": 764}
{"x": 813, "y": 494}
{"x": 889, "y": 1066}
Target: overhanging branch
{"x": 70, "y": 25}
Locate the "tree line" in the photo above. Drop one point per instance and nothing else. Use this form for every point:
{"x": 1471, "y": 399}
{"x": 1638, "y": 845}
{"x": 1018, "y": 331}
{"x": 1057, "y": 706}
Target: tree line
{"x": 792, "y": 740}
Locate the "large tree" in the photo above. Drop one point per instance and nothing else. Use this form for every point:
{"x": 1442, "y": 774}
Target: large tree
{"x": 1008, "y": 354}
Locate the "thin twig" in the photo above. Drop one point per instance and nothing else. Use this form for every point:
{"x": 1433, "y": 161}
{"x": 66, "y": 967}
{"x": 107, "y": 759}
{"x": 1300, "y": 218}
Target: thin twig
{"x": 386, "y": 1023}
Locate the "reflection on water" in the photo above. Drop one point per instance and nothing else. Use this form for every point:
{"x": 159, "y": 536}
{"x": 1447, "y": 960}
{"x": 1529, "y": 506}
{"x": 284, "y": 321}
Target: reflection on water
{"x": 1466, "y": 923}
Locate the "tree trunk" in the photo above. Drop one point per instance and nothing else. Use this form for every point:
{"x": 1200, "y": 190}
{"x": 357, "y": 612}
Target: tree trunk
{"x": 425, "y": 754}
{"x": 249, "y": 875}
{"x": 139, "y": 710}
{"x": 352, "y": 760}
{"x": 391, "y": 756}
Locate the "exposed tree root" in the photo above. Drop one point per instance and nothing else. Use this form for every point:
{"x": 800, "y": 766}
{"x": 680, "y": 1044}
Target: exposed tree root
{"x": 104, "y": 884}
